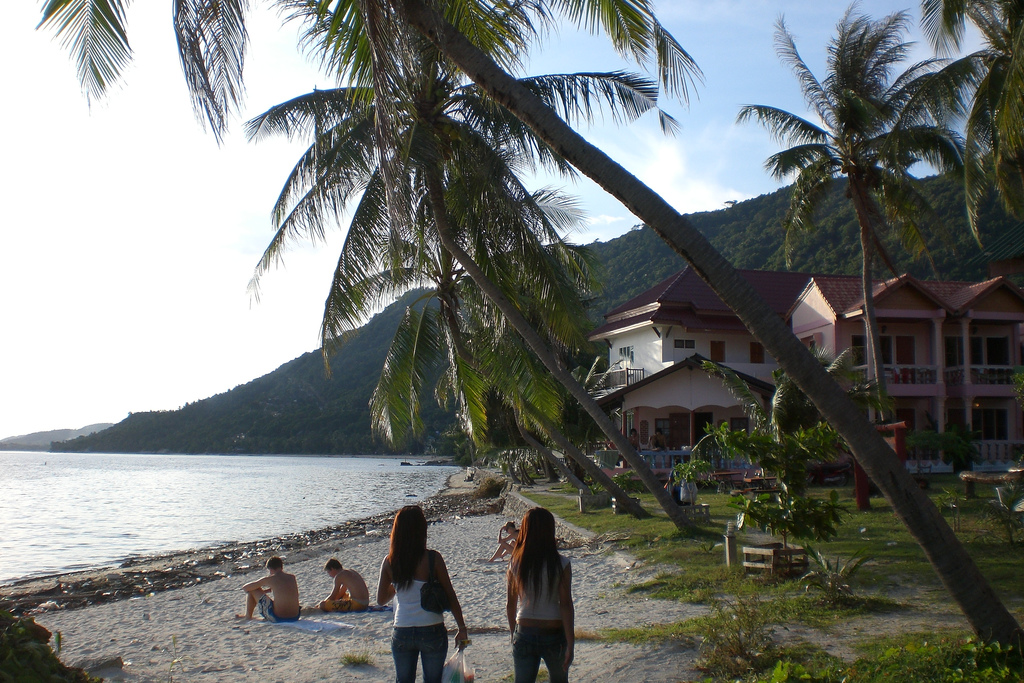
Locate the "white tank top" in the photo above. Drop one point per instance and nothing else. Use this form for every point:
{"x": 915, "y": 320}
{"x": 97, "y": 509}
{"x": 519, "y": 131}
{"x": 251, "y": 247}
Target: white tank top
{"x": 544, "y": 604}
{"x": 409, "y": 612}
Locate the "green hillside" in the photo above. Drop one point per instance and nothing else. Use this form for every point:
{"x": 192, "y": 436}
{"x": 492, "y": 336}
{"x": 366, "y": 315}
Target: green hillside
{"x": 296, "y": 409}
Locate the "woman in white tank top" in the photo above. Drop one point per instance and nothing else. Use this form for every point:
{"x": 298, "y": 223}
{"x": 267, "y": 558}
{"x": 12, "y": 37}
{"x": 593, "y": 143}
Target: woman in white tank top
{"x": 418, "y": 634}
{"x": 539, "y": 605}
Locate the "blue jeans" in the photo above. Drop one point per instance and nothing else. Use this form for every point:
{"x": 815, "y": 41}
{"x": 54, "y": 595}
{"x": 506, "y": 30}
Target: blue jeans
{"x": 530, "y": 645}
{"x": 429, "y": 643}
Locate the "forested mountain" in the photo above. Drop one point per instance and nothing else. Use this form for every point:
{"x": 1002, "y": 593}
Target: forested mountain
{"x": 40, "y": 441}
{"x": 296, "y": 409}
{"x": 750, "y": 235}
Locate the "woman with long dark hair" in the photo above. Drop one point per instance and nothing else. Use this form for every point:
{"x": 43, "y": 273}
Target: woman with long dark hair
{"x": 418, "y": 633}
{"x": 539, "y": 605}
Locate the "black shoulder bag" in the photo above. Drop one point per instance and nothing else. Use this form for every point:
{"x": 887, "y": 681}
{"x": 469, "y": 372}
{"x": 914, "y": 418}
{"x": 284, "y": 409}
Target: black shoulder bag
{"x": 432, "y": 595}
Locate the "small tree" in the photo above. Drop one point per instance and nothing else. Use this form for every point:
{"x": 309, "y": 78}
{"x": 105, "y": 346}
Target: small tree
{"x": 1008, "y": 510}
{"x": 790, "y": 515}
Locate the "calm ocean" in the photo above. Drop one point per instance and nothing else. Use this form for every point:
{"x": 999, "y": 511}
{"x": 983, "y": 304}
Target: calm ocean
{"x": 62, "y": 511}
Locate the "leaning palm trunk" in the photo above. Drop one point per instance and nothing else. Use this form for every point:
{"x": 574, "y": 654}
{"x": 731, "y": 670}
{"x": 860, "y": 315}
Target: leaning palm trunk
{"x": 959, "y": 574}
{"x": 537, "y": 345}
{"x": 596, "y": 473}
{"x": 550, "y": 457}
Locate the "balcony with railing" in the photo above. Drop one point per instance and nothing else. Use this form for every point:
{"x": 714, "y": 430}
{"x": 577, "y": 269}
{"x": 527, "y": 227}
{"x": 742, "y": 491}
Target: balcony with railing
{"x": 980, "y": 374}
{"x": 904, "y": 374}
{"x": 616, "y": 379}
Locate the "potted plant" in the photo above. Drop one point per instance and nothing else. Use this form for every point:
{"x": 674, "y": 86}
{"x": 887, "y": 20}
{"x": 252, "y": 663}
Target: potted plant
{"x": 687, "y": 473}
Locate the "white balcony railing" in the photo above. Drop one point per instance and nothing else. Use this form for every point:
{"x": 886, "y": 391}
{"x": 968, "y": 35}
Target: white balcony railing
{"x": 615, "y": 379}
{"x": 981, "y": 374}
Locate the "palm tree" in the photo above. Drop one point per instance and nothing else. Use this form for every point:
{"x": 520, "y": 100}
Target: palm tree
{"x": 875, "y": 124}
{"x": 515, "y": 235}
{"x": 995, "y": 121}
{"x": 959, "y": 574}
{"x": 648, "y": 42}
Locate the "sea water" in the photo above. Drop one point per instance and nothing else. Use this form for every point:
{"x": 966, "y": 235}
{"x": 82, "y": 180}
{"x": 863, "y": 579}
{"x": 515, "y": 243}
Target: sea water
{"x": 62, "y": 512}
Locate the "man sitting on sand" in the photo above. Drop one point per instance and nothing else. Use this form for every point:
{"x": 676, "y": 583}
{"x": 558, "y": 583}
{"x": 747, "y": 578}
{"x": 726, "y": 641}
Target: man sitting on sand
{"x": 350, "y": 593}
{"x": 284, "y": 606}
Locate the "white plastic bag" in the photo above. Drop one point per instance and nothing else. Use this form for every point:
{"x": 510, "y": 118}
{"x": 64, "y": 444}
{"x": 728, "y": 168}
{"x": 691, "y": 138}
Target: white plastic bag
{"x": 457, "y": 669}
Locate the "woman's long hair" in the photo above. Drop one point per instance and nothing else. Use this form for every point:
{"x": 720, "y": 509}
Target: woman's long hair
{"x": 535, "y": 562}
{"x": 408, "y": 543}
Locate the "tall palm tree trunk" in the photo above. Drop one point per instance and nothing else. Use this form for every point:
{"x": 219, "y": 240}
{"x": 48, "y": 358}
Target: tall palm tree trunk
{"x": 863, "y": 208}
{"x": 550, "y": 457}
{"x": 959, "y": 574}
{"x": 435, "y": 189}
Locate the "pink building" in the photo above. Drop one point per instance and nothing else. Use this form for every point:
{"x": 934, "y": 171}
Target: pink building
{"x": 949, "y": 351}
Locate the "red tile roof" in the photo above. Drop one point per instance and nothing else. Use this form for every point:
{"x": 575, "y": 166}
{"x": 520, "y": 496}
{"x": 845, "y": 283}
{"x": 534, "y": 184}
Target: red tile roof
{"x": 685, "y": 299}
{"x": 843, "y": 292}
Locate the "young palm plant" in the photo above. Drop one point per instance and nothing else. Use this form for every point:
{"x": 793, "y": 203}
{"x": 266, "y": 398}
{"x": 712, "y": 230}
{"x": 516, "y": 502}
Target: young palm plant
{"x": 831, "y": 576}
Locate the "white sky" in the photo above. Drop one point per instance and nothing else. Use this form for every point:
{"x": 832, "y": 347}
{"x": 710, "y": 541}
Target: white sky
{"x": 129, "y": 236}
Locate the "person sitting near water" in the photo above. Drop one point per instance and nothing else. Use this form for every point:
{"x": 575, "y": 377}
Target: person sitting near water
{"x": 284, "y": 605}
{"x": 506, "y": 541}
{"x": 350, "y": 593}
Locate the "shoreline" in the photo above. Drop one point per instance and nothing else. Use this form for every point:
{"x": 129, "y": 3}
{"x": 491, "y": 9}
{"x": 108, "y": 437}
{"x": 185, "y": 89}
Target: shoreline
{"x": 139, "y": 576}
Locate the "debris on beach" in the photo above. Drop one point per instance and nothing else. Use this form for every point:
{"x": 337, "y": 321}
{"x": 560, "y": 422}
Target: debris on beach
{"x": 138, "y": 577}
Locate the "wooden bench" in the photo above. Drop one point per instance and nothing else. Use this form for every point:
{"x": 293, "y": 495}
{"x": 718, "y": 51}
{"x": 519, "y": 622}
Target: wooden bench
{"x": 700, "y": 512}
{"x": 774, "y": 559}
{"x": 992, "y": 478}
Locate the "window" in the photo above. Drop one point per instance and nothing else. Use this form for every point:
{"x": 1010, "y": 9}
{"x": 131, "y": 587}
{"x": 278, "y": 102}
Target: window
{"x": 718, "y": 351}
{"x": 756, "y": 352}
{"x": 977, "y": 351}
{"x": 997, "y": 351}
{"x": 991, "y": 422}
{"x": 954, "y": 351}
{"x": 905, "y": 354}
{"x": 859, "y": 346}
{"x": 990, "y": 350}
{"x": 738, "y": 424}
{"x": 626, "y": 354}
{"x": 684, "y": 344}
{"x": 885, "y": 342}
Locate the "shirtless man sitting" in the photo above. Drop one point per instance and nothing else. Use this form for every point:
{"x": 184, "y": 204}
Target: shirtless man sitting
{"x": 349, "y": 594}
{"x": 284, "y": 605}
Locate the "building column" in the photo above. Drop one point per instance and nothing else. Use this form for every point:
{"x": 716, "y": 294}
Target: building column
{"x": 940, "y": 413}
{"x": 939, "y": 354}
{"x": 965, "y": 336}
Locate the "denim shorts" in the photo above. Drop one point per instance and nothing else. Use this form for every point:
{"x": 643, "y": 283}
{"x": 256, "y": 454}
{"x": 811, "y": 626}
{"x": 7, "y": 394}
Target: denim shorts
{"x": 426, "y": 643}
{"x": 530, "y": 645}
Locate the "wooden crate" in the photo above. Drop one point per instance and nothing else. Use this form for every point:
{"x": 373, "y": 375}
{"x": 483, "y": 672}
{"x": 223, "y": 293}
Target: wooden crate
{"x": 772, "y": 558}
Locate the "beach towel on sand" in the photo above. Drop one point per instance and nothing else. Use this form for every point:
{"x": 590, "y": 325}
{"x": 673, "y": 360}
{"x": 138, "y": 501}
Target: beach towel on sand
{"x": 314, "y": 625}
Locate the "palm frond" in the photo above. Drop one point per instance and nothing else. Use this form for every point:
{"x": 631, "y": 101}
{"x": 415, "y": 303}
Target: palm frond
{"x": 94, "y": 32}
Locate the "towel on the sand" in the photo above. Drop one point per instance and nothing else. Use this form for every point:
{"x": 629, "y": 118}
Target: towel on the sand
{"x": 314, "y": 625}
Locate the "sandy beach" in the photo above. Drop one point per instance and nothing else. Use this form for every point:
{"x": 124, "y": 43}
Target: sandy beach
{"x": 191, "y": 634}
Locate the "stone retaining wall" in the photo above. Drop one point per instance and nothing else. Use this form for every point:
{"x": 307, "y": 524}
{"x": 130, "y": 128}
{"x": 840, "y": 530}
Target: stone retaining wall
{"x": 516, "y": 506}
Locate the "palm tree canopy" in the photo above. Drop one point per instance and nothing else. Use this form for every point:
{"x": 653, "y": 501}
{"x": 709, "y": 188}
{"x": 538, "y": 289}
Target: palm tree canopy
{"x": 995, "y": 73}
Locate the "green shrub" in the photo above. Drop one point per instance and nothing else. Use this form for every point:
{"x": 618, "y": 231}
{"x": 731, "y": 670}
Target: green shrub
{"x": 26, "y": 656}
{"x": 627, "y": 483}
{"x": 737, "y": 639}
{"x": 832, "y": 577}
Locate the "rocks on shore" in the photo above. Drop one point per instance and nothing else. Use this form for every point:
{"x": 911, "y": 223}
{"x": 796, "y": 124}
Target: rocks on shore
{"x": 140, "y": 576}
